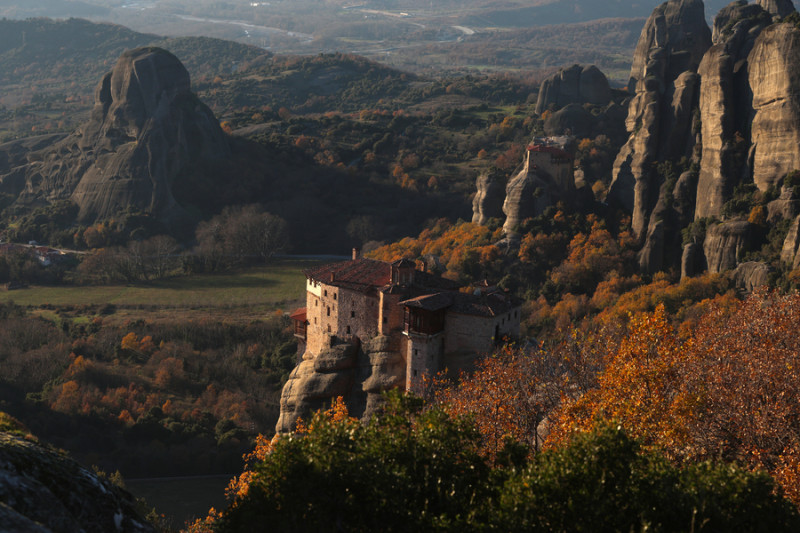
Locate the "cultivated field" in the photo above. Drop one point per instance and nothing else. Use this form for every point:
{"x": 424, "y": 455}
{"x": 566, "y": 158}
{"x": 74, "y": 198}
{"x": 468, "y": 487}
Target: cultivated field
{"x": 242, "y": 295}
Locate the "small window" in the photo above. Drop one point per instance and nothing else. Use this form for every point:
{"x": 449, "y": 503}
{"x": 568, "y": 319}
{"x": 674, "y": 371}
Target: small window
{"x": 326, "y": 292}
{"x": 352, "y": 314}
{"x": 329, "y": 311}
{"x": 334, "y": 295}
{"x": 416, "y": 352}
{"x": 415, "y": 373}
{"x": 348, "y": 330}
{"x": 385, "y": 320}
{"x": 329, "y": 328}
{"x": 315, "y": 320}
{"x": 316, "y": 302}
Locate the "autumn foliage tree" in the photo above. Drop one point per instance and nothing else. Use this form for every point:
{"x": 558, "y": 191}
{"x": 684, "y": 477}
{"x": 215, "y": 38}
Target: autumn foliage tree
{"x": 727, "y": 389}
{"x": 509, "y": 395}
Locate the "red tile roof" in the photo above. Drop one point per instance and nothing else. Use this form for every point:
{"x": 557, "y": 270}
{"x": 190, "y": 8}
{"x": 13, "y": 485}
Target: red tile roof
{"x": 361, "y": 274}
{"x": 299, "y": 315}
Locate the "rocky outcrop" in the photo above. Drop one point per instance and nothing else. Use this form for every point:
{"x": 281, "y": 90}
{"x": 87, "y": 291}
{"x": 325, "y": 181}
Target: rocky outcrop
{"x": 725, "y": 243}
{"x": 692, "y": 260}
{"x": 147, "y": 130}
{"x": 488, "y": 201}
{"x": 574, "y": 85}
{"x": 659, "y": 121}
{"x": 791, "y": 246}
{"x": 572, "y": 119}
{"x": 726, "y": 105}
{"x": 751, "y": 275}
{"x": 785, "y": 207}
{"x": 529, "y": 193}
{"x": 42, "y": 490}
{"x": 777, "y": 8}
{"x": 359, "y": 374}
{"x": 676, "y": 29}
{"x": 775, "y": 81}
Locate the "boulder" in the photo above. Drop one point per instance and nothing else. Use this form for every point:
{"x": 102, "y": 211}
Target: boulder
{"x": 751, "y": 275}
{"x": 785, "y": 207}
{"x": 572, "y": 119}
{"x": 574, "y": 85}
{"x": 725, "y": 243}
{"x": 42, "y": 490}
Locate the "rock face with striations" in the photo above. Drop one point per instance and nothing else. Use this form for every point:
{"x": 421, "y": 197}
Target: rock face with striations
{"x": 775, "y": 81}
{"x": 44, "y": 491}
{"x": 777, "y": 8}
{"x": 726, "y": 104}
{"x": 659, "y": 121}
{"x": 725, "y": 243}
{"x": 147, "y": 130}
{"x": 790, "y": 253}
{"x": 358, "y": 374}
{"x": 574, "y": 85}
{"x": 488, "y": 201}
{"x": 531, "y": 191}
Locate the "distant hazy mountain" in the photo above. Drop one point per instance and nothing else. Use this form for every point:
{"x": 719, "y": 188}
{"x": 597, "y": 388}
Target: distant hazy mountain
{"x": 16, "y": 9}
{"x": 568, "y": 11}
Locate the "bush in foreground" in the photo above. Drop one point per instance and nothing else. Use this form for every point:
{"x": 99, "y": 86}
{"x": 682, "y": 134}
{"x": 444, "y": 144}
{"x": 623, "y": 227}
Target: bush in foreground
{"x": 412, "y": 469}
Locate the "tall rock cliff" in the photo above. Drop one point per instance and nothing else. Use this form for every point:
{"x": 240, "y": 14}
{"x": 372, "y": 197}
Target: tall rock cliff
{"x": 147, "y": 130}
{"x": 726, "y": 105}
{"x": 775, "y": 82}
{"x": 777, "y": 8}
{"x": 488, "y": 201}
{"x": 659, "y": 121}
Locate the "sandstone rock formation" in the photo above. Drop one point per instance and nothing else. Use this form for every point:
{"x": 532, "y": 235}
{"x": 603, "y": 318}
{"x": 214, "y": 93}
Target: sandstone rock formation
{"x": 751, "y": 275}
{"x": 725, "y": 243}
{"x": 574, "y": 85}
{"x": 42, "y": 491}
{"x": 147, "y": 130}
{"x": 572, "y": 119}
{"x": 692, "y": 260}
{"x": 775, "y": 81}
{"x": 791, "y": 246}
{"x": 777, "y": 8}
{"x": 785, "y": 207}
{"x": 726, "y": 105}
{"x": 669, "y": 51}
{"x": 358, "y": 374}
{"x": 488, "y": 201}
{"x": 537, "y": 187}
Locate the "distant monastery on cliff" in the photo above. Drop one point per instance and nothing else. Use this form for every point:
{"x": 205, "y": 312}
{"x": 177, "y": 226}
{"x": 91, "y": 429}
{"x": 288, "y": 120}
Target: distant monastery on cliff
{"x": 429, "y": 317}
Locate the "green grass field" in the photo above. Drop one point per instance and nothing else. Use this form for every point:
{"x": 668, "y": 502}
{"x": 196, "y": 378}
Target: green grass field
{"x": 280, "y": 285}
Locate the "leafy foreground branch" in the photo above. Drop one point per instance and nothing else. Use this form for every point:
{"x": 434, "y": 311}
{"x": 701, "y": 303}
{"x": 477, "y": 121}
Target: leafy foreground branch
{"x": 415, "y": 469}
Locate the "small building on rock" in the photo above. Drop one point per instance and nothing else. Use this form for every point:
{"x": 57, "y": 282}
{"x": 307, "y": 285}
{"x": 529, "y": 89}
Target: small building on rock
{"x": 431, "y": 319}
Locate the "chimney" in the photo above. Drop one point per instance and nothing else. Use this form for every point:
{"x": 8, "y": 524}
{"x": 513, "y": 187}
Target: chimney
{"x": 356, "y": 253}
{"x": 333, "y": 277}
